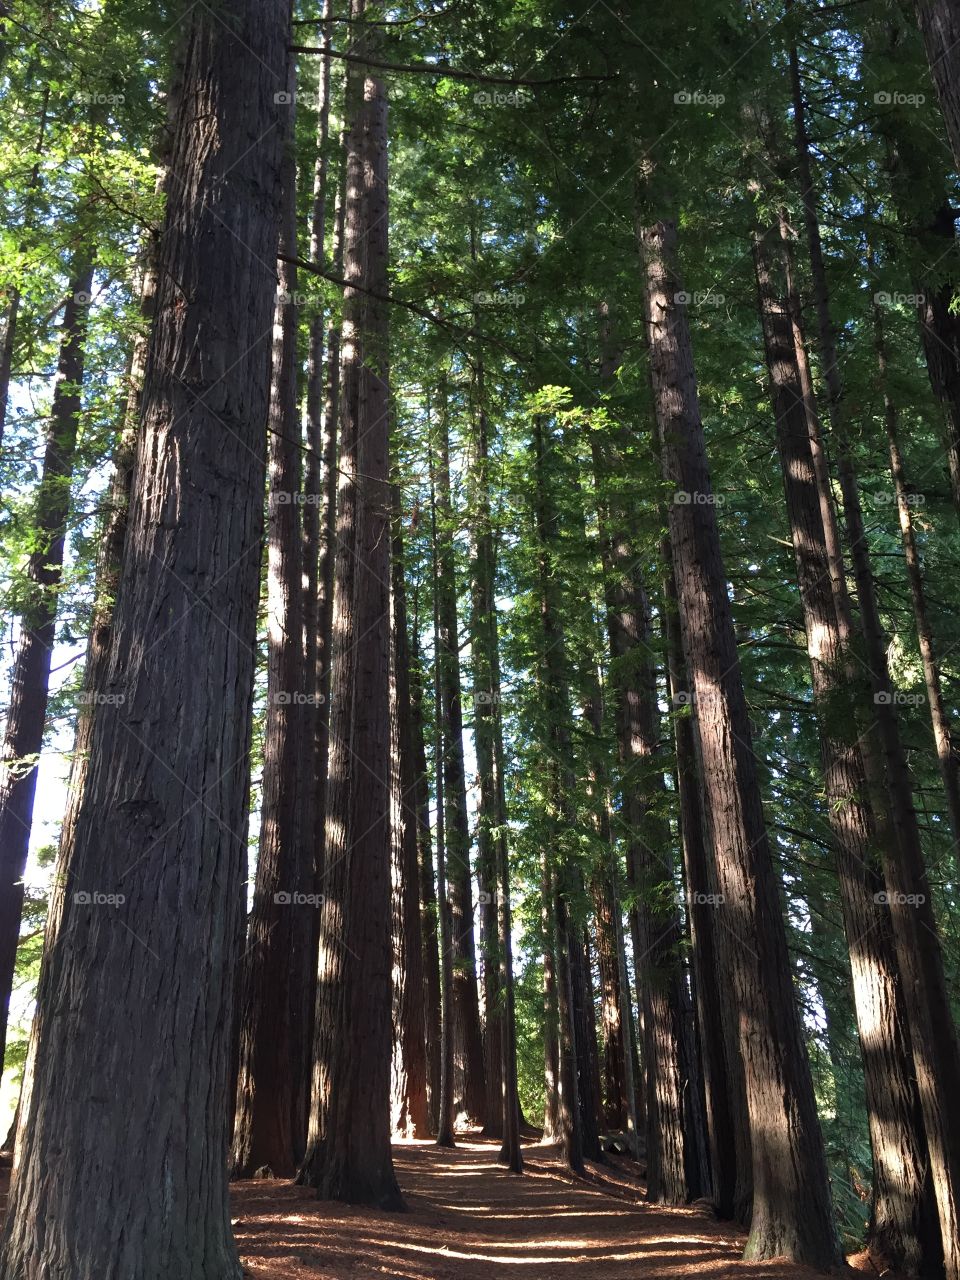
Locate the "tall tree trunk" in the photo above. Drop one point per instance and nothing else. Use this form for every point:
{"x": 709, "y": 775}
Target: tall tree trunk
{"x": 902, "y": 1214}
{"x": 947, "y": 757}
{"x": 610, "y": 356}
{"x": 430, "y": 948}
{"x": 940, "y": 25}
{"x": 792, "y": 1214}
{"x": 30, "y": 684}
{"x": 728, "y": 1120}
{"x": 570, "y": 1135}
{"x": 348, "y": 1155}
{"x": 510, "y": 1153}
{"x": 410, "y": 1113}
{"x": 616, "y": 1104}
{"x": 275, "y": 1016}
{"x": 131, "y": 1034}
{"x": 471, "y": 1089}
{"x": 503, "y": 1115}
{"x": 319, "y": 439}
{"x": 551, "y": 1026}
{"x": 447, "y": 1108}
{"x": 933, "y": 1034}
{"x": 322, "y": 427}
{"x": 588, "y": 1060}
{"x": 669, "y": 1056}
{"x": 558, "y": 877}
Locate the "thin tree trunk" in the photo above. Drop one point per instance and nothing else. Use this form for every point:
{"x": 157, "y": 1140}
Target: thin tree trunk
{"x": 275, "y": 1017}
{"x": 30, "y": 684}
{"x": 588, "y": 1064}
{"x": 503, "y": 1115}
{"x": 558, "y": 876}
{"x": 551, "y": 1028}
{"x": 901, "y": 1212}
{"x": 792, "y": 1214}
{"x": 932, "y": 1032}
{"x": 428, "y": 893}
{"x": 668, "y": 1054}
{"x": 322, "y": 404}
{"x": 348, "y": 1155}
{"x": 132, "y": 1037}
{"x": 445, "y": 1127}
{"x": 510, "y": 1153}
{"x": 616, "y": 1104}
{"x": 635, "y": 1105}
{"x": 410, "y": 1112}
{"x": 471, "y": 1089}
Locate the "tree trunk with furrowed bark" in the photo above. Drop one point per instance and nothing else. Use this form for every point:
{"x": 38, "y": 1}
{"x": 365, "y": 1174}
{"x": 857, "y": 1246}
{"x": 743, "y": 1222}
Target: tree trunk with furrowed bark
{"x": 348, "y": 1154}
{"x": 409, "y": 1099}
{"x": 275, "y": 1015}
{"x": 936, "y": 1050}
{"x": 131, "y": 1062}
{"x": 903, "y": 1221}
{"x": 792, "y": 1213}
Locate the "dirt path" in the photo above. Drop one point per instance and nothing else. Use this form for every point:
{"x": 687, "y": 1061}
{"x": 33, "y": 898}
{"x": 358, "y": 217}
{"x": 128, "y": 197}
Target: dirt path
{"x": 470, "y": 1220}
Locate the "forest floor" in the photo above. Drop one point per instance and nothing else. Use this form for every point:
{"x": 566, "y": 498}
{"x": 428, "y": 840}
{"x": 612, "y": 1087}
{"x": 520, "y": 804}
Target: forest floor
{"x": 469, "y": 1219}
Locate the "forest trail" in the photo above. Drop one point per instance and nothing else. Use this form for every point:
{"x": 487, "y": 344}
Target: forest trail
{"x": 469, "y": 1219}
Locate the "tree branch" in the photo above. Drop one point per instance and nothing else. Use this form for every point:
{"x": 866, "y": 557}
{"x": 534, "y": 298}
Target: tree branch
{"x": 461, "y": 331}
{"x": 441, "y": 69}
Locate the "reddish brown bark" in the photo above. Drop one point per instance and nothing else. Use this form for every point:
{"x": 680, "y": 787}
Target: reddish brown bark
{"x": 276, "y": 983}
{"x": 903, "y": 1214}
{"x": 348, "y": 1155}
{"x": 130, "y": 1073}
{"x": 792, "y": 1214}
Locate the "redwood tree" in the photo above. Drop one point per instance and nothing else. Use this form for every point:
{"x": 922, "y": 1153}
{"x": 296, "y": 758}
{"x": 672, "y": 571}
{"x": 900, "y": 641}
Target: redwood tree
{"x": 348, "y": 1155}
{"x": 121, "y": 1165}
{"x": 792, "y": 1213}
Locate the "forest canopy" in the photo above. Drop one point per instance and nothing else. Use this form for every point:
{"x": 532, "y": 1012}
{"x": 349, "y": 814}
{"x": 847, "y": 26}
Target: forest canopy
{"x": 480, "y": 493}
